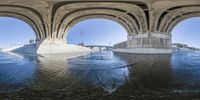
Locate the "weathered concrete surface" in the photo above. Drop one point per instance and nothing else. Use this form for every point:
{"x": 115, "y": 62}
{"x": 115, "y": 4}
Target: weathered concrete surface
{"x": 60, "y": 47}
{"x": 48, "y": 48}
{"x": 143, "y": 51}
{"x": 154, "y": 43}
{"x": 51, "y": 19}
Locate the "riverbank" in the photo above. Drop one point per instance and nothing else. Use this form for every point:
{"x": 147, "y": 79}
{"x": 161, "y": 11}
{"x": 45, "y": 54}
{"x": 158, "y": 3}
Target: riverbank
{"x": 59, "y": 50}
{"x": 27, "y": 49}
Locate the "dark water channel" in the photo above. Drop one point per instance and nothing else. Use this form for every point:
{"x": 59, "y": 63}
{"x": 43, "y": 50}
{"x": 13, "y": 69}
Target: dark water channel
{"x": 101, "y": 75}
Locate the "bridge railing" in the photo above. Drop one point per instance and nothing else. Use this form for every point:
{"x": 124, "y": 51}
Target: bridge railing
{"x": 120, "y": 45}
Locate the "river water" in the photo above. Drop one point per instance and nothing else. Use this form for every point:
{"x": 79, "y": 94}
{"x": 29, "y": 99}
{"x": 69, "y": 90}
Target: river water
{"x": 101, "y": 75}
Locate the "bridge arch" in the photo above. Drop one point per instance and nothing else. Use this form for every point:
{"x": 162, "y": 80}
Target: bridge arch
{"x": 186, "y": 31}
{"x": 178, "y": 20}
{"x": 24, "y": 19}
{"x": 17, "y": 35}
{"x": 130, "y": 16}
{"x": 174, "y": 14}
{"x": 25, "y": 15}
{"x": 97, "y": 29}
{"x": 111, "y": 18}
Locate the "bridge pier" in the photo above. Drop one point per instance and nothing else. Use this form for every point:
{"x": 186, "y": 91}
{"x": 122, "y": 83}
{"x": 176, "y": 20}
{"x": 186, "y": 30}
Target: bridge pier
{"x": 56, "y": 46}
{"x": 153, "y": 43}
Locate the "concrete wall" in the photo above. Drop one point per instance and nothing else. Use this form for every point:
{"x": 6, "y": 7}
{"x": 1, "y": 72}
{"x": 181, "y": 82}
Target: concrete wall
{"x": 120, "y": 45}
{"x": 152, "y": 40}
{"x": 153, "y": 43}
{"x": 59, "y": 47}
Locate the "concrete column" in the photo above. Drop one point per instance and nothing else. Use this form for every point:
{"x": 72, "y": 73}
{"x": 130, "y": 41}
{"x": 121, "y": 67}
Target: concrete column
{"x": 153, "y": 43}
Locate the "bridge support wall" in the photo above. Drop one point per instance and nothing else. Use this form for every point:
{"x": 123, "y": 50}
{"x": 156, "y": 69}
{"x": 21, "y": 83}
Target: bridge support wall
{"x": 49, "y": 46}
{"x": 153, "y": 43}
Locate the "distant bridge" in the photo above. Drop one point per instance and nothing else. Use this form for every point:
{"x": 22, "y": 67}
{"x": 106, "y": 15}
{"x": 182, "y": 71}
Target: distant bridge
{"x": 99, "y": 46}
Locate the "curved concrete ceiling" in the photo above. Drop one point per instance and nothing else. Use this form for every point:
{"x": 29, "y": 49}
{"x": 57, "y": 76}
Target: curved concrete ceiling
{"x": 53, "y": 18}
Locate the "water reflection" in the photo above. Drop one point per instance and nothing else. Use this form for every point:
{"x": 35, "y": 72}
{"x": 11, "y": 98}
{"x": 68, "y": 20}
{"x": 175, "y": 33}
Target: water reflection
{"x": 149, "y": 72}
{"x": 185, "y": 68}
{"x": 99, "y": 69}
{"x": 103, "y": 70}
{"x": 16, "y": 72}
{"x": 100, "y": 73}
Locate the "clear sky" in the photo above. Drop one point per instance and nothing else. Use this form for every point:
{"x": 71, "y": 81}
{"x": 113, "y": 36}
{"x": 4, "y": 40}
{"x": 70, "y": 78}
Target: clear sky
{"x": 96, "y": 32}
{"x": 14, "y": 31}
{"x": 187, "y": 32}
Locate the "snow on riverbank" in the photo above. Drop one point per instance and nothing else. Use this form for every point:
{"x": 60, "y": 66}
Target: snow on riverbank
{"x": 28, "y": 48}
{"x": 32, "y": 49}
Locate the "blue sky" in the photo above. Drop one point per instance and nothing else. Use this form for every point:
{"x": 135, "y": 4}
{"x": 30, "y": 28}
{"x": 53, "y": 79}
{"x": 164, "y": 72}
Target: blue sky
{"x": 14, "y": 31}
{"x": 96, "y": 32}
{"x": 187, "y": 32}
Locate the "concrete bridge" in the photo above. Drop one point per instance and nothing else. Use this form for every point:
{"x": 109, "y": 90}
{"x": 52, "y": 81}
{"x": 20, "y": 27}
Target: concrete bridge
{"x": 99, "y": 46}
{"x": 147, "y": 22}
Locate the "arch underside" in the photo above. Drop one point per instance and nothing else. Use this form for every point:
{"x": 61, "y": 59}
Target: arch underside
{"x": 169, "y": 18}
{"x": 25, "y": 15}
{"x": 94, "y": 16}
{"x": 53, "y": 19}
{"x": 133, "y": 17}
{"x": 130, "y": 16}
